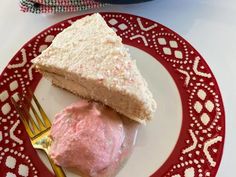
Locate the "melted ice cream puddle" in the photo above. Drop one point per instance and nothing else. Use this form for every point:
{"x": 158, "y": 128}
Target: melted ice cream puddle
{"x": 92, "y": 139}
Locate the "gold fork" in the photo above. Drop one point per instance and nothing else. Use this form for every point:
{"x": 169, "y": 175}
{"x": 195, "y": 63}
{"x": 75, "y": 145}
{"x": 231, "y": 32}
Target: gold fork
{"x": 38, "y": 132}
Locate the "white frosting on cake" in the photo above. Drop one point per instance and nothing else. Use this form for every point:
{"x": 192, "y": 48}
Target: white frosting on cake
{"x": 90, "y": 53}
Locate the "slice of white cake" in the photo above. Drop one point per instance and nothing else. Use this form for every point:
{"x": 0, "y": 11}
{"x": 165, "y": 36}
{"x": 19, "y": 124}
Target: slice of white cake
{"x": 89, "y": 59}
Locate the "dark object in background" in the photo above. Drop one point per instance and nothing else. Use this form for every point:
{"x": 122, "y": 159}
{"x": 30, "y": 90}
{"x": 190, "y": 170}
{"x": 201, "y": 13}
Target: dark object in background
{"x": 55, "y": 6}
{"x": 121, "y": 1}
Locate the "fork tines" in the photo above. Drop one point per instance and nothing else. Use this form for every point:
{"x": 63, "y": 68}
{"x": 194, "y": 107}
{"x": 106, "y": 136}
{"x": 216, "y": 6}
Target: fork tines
{"x": 39, "y": 123}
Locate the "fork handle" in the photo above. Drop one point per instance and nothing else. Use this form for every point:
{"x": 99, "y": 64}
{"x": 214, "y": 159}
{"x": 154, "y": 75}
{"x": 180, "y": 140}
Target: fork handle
{"x": 57, "y": 170}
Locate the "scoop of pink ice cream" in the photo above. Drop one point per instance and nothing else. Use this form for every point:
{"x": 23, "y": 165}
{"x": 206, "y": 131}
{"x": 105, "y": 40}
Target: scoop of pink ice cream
{"x": 87, "y": 136}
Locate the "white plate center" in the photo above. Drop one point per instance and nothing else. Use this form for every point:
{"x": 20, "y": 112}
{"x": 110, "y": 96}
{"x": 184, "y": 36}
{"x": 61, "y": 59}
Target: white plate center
{"x": 157, "y": 139}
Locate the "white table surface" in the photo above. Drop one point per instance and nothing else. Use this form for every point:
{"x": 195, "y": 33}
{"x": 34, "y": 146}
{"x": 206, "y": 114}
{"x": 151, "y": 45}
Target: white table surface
{"x": 209, "y": 25}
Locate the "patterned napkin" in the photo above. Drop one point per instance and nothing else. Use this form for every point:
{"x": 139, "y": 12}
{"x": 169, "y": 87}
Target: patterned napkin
{"x": 51, "y": 6}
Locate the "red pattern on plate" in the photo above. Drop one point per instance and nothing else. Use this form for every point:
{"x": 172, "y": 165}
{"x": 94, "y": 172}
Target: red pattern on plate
{"x": 200, "y": 145}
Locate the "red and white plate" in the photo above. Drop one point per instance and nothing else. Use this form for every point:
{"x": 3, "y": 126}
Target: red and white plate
{"x": 185, "y": 137}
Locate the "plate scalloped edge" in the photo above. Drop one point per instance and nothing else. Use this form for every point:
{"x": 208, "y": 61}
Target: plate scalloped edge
{"x": 199, "y": 148}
